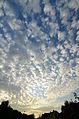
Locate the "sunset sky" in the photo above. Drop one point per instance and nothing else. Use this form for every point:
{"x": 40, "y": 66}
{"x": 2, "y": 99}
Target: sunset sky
{"x": 39, "y": 53}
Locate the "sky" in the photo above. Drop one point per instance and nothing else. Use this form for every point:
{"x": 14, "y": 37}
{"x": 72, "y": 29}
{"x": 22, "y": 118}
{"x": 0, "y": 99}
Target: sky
{"x": 39, "y": 53}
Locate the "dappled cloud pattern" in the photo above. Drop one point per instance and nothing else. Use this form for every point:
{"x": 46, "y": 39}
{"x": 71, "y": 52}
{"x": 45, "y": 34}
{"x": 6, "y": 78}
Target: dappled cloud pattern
{"x": 39, "y": 52}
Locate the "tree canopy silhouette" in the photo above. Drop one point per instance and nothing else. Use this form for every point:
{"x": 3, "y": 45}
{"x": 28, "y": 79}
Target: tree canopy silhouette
{"x": 6, "y": 112}
{"x": 70, "y": 110}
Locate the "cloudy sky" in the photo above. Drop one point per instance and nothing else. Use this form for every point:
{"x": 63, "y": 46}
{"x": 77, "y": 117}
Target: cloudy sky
{"x": 39, "y": 53}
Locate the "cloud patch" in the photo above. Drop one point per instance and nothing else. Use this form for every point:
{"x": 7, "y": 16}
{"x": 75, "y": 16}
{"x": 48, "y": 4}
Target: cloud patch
{"x": 39, "y": 58}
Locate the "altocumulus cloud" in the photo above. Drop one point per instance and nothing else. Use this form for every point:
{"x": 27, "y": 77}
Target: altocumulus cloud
{"x": 39, "y": 52}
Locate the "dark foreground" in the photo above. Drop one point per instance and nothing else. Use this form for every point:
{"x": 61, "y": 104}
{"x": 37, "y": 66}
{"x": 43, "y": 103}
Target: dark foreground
{"x": 70, "y": 110}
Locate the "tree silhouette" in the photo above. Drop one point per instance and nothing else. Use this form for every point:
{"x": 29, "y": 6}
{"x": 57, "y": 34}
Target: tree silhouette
{"x": 76, "y": 97}
{"x": 70, "y": 110}
{"x": 6, "y": 112}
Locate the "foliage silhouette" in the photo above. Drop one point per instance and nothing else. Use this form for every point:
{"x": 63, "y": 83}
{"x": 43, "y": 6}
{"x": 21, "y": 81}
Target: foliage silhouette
{"x": 70, "y": 110}
{"x": 6, "y": 112}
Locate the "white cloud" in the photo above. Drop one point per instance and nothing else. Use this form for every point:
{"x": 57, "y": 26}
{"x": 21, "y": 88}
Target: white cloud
{"x": 47, "y": 8}
{"x": 15, "y": 24}
{"x": 77, "y": 38}
{"x": 1, "y": 13}
{"x": 35, "y": 5}
{"x": 75, "y": 23}
{"x": 1, "y": 3}
{"x": 4, "y": 95}
{"x": 39, "y": 71}
{"x": 61, "y": 36}
{"x": 74, "y": 4}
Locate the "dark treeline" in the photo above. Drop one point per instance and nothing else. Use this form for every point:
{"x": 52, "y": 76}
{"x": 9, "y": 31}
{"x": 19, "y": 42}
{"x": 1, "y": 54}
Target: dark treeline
{"x": 70, "y": 110}
{"x": 6, "y": 112}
